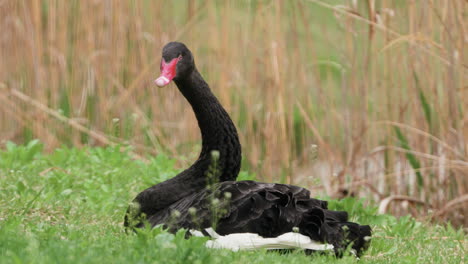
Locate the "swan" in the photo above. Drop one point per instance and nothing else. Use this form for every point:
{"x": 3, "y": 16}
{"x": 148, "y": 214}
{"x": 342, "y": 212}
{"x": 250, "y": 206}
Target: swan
{"x": 207, "y": 200}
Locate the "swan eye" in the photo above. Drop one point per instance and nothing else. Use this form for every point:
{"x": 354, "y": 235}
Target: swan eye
{"x": 180, "y": 57}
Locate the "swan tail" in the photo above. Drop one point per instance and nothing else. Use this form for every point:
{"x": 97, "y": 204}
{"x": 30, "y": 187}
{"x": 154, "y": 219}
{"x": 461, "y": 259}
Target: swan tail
{"x": 333, "y": 227}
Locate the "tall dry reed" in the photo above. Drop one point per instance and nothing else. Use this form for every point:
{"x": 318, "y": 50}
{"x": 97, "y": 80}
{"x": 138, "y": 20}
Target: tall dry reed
{"x": 379, "y": 86}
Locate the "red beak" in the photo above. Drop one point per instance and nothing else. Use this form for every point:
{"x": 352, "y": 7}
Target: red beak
{"x": 168, "y": 72}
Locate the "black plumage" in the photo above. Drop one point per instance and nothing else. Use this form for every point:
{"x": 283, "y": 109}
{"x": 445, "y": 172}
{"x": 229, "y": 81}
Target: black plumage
{"x": 207, "y": 195}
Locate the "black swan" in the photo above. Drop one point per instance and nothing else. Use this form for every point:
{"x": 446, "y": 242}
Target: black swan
{"x": 207, "y": 198}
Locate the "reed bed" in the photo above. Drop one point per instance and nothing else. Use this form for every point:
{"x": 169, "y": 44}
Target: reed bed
{"x": 364, "y": 98}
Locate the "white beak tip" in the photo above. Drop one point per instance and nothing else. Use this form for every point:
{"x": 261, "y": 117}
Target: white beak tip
{"x": 162, "y": 81}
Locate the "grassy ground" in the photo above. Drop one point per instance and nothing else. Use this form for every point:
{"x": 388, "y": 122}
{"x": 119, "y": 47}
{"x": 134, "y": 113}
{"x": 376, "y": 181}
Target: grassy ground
{"x": 68, "y": 206}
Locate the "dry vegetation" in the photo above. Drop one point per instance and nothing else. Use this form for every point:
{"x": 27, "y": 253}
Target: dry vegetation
{"x": 379, "y": 86}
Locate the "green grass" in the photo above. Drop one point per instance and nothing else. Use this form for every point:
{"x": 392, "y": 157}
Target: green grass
{"x": 68, "y": 207}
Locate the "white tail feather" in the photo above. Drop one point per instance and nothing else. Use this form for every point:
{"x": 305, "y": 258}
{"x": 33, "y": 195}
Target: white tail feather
{"x": 250, "y": 241}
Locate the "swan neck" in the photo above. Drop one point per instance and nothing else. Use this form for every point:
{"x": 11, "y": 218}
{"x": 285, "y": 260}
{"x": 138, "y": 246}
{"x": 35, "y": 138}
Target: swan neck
{"x": 216, "y": 127}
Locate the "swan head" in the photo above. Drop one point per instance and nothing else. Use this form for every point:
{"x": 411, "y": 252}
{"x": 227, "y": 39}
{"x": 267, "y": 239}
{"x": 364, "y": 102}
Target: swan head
{"x": 176, "y": 63}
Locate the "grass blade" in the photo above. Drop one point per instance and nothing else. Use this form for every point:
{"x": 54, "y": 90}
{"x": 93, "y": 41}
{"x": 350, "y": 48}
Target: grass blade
{"x": 414, "y": 162}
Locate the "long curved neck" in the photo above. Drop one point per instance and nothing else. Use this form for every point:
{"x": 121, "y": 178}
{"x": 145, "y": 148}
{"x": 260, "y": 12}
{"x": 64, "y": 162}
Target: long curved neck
{"x": 218, "y": 133}
{"x": 217, "y": 129}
